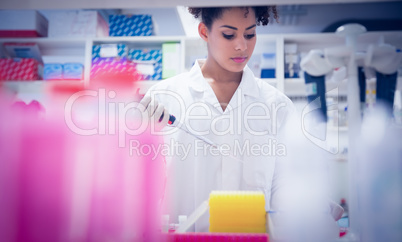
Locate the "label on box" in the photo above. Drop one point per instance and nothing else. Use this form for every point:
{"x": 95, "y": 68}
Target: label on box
{"x": 146, "y": 68}
{"x": 148, "y": 62}
{"x": 109, "y": 50}
{"x": 23, "y": 50}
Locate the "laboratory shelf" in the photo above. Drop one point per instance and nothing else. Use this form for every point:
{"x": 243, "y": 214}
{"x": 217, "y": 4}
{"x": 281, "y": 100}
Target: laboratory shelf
{"x": 192, "y": 48}
{"x": 296, "y": 87}
{"x": 54, "y": 46}
{"x": 140, "y": 39}
{"x": 38, "y": 86}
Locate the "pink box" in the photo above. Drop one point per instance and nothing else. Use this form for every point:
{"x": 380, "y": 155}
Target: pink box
{"x": 110, "y": 67}
{"x": 20, "y": 69}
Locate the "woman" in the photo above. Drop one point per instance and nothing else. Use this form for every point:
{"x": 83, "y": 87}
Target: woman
{"x": 222, "y": 100}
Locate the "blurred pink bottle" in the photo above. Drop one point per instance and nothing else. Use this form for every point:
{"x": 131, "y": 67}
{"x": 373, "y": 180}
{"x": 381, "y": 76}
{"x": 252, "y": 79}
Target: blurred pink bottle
{"x": 57, "y": 185}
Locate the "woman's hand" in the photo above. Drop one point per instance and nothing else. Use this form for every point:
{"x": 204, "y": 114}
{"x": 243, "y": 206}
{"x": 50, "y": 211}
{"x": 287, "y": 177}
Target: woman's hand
{"x": 156, "y": 112}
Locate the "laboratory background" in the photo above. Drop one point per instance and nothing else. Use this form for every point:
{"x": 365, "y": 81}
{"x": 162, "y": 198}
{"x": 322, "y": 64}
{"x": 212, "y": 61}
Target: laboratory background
{"x": 73, "y": 167}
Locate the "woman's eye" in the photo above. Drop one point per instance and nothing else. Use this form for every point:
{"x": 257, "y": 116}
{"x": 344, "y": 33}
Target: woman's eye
{"x": 250, "y": 36}
{"x": 228, "y": 36}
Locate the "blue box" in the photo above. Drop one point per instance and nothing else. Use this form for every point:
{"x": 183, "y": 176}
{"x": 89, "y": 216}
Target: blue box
{"x": 134, "y": 25}
{"x": 53, "y": 71}
{"x": 295, "y": 75}
{"x": 268, "y": 73}
{"x": 121, "y": 50}
{"x": 73, "y": 71}
{"x": 143, "y": 57}
{"x": 268, "y": 65}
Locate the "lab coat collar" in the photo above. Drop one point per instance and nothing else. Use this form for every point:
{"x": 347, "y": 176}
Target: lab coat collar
{"x": 196, "y": 77}
{"x": 247, "y": 85}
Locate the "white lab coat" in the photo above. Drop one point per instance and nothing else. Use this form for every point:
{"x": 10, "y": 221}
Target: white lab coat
{"x": 253, "y": 163}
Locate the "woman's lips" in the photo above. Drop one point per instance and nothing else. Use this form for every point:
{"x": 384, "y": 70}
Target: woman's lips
{"x": 239, "y": 59}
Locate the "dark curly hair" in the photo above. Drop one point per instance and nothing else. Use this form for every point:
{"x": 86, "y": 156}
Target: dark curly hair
{"x": 208, "y": 15}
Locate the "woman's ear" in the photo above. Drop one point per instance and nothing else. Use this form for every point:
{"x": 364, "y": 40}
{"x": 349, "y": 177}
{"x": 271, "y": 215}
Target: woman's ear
{"x": 203, "y": 31}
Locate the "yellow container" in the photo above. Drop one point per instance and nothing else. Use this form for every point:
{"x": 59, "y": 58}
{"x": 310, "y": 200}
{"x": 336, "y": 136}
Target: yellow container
{"x": 237, "y": 211}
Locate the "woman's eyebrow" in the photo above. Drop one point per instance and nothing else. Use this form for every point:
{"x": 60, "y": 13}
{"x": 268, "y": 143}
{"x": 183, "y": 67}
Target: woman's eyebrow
{"x": 231, "y": 27}
{"x": 252, "y": 26}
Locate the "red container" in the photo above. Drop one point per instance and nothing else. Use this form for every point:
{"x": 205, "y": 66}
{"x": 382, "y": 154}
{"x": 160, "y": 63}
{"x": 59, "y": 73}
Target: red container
{"x": 20, "y": 69}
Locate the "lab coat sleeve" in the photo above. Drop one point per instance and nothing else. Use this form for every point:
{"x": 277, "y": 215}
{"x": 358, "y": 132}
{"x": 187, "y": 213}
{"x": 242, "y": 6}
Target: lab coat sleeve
{"x": 278, "y": 187}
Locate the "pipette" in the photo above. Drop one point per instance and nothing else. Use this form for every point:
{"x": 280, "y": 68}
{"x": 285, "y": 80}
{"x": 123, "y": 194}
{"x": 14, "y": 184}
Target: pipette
{"x": 175, "y": 123}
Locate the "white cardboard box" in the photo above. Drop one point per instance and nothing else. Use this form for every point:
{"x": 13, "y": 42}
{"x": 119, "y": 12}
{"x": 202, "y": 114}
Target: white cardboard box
{"x": 22, "y": 23}
{"x": 77, "y": 23}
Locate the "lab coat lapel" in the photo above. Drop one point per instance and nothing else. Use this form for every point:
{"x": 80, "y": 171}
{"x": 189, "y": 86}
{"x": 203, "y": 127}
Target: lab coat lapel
{"x": 247, "y": 88}
{"x": 202, "y": 91}
{"x": 199, "y": 87}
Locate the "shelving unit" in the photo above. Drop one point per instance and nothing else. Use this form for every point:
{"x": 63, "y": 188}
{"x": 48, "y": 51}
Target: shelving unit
{"x": 66, "y": 49}
{"x": 143, "y": 42}
{"x": 80, "y": 50}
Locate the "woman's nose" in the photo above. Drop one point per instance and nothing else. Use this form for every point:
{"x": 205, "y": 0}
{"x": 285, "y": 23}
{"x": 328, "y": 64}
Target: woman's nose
{"x": 241, "y": 43}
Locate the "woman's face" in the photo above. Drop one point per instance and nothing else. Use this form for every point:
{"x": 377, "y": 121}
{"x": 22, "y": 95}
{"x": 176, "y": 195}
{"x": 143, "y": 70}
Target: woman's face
{"x": 232, "y": 38}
